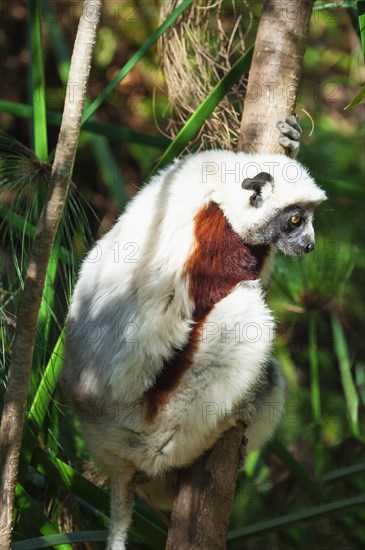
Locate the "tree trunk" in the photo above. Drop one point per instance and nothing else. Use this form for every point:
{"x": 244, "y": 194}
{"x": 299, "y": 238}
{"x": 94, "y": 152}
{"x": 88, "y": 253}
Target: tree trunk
{"x": 275, "y": 73}
{"x": 19, "y": 371}
{"x": 202, "y": 507}
{"x": 201, "y": 510}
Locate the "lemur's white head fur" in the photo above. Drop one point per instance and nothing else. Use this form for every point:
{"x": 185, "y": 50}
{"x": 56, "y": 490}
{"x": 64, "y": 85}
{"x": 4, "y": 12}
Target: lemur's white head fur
{"x": 252, "y": 191}
{"x": 224, "y": 171}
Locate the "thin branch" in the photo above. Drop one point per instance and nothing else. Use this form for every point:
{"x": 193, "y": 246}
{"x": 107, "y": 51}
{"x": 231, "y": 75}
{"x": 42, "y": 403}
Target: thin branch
{"x": 19, "y": 370}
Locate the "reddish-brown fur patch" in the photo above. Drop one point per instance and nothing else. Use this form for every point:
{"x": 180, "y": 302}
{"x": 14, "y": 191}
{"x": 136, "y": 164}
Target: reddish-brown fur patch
{"x": 219, "y": 261}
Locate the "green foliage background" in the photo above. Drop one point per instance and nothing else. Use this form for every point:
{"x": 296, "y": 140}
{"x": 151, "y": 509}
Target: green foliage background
{"x": 312, "y": 474}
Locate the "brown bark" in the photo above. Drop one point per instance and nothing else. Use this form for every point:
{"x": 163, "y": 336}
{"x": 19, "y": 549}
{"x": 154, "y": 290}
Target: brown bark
{"x": 19, "y": 371}
{"x": 201, "y": 511}
{"x": 275, "y": 73}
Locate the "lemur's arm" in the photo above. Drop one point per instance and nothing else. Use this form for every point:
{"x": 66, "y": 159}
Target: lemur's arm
{"x": 290, "y": 133}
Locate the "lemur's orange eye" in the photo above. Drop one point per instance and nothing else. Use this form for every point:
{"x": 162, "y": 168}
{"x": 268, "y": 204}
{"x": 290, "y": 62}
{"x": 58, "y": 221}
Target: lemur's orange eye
{"x": 294, "y": 220}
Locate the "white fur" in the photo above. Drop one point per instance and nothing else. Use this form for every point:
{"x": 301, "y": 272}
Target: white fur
{"x": 121, "y": 330}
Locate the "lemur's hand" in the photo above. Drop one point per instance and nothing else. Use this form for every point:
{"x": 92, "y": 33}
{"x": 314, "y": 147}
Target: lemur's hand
{"x": 290, "y": 133}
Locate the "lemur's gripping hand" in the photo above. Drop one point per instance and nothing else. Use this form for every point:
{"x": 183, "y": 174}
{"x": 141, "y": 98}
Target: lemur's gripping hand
{"x": 290, "y": 133}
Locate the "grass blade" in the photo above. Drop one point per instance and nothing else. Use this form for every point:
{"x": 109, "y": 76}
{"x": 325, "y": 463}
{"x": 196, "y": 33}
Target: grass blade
{"x": 342, "y": 353}
{"x": 23, "y": 227}
{"x": 311, "y": 514}
{"x": 135, "y": 58}
{"x": 31, "y": 508}
{"x": 315, "y": 392}
{"x": 109, "y": 170}
{"x": 357, "y": 99}
{"x": 306, "y": 481}
{"x": 37, "y": 73}
{"x": 47, "y": 387}
{"x": 59, "y": 44}
{"x": 104, "y": 157}
{"x": 313, "y": 359}
{"x": 143, "y": 528}
{"x": 46, "y": 309}
{"x": 60, "y": 540}
{"x": 342, "y": 473}
{"x": 361, "y": 12}
{"x": 112, "y": 131}
{"x": 63, "y": 474}
{"x": 193, "y": 125}
{"x": 38, "y": 409}
{"x": 18, "y": 222}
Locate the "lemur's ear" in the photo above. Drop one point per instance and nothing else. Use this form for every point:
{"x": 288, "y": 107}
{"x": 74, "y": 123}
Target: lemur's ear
{"x": 256, "y": 184}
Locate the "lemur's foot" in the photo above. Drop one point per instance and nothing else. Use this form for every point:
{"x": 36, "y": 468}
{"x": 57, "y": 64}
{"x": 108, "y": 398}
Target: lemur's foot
{"x": 290, "y": 133}
{"x": 246, "y": 414}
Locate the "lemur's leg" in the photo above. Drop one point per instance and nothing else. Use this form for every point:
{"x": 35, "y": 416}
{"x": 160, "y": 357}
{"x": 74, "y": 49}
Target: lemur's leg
{"x": 290, "y": 133}
{"x": 122, "y": 491}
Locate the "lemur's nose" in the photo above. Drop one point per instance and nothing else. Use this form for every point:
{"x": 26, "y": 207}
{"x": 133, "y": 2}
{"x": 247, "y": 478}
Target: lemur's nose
{"x": 309, "y": 248}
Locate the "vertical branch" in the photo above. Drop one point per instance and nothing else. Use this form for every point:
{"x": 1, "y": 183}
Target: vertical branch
{"x": 201, "y": 511}
{"x": 19, "y": 370}
{"x": 275, "y": 73}
{"x": 202, "y": 506}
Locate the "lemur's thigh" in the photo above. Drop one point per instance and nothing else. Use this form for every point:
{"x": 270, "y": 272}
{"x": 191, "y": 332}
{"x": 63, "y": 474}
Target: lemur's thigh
{"x": 233, "y": 344}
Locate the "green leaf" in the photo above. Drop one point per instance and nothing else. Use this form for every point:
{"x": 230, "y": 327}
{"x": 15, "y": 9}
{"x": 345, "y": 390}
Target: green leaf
{"x": 361, "y": 12}
{"x": 38, "y": 82}
{"x": 22, "y": 226}
{"x": 315, "y": 389}
{"x": 342, "y": 473}
{"x": 135, "y": 58}
{"x": 38, "y": 409}
{"x": 19, "y": 224}
{"x": 306, "y": 481}
{"x": 314, "y": 370}
{"x": 342, "y": 353}
{"x": 311, "y": 514}
{"x": 103, "y": 154}
{"x": 63, "y": 474}
{"x": 59, "y": 44}
{"x": 109, "y": 170}
{"x": 35, "y": 514}
{"x": 193, "y": 125}
{"x": 46, "y": 309}
{"x": 59, "y": 541}
{"x": 112, "y": 131}
{"x": 46, "y": 387}
{"x": 318, "y": 6}
{"x": 142, "y": 529}
{"x": 357, "y": 99}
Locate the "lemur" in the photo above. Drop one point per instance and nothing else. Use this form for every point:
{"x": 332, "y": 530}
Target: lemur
{"x": 169, "y": 334}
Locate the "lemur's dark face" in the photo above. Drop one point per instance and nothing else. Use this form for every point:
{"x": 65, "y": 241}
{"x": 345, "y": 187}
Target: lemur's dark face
{"x": 292, "y": 230}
